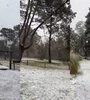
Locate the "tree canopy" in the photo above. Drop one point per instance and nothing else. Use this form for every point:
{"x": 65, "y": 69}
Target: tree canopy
{"x": 40, "y": 12}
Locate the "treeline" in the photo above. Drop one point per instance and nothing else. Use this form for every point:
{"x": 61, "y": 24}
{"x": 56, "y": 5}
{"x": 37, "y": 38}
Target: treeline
{"x": 39, "y": 49}
{"x": 10, "y": 42}
{"x": 80, "y": 37}
{"x": 54, "y": 16}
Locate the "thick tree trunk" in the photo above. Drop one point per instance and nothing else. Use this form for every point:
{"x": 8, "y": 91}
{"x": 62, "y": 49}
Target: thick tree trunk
{"x": 50, "y": 37}
{"x": 21, "y": 52}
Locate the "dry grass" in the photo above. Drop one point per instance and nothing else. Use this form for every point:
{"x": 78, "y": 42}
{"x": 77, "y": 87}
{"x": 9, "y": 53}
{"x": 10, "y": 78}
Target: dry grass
{"x": 88, "y": 58}
{"x": 45, "y": 64}
{"x": 40, "y": 64}
{"x": 74, "y": 63}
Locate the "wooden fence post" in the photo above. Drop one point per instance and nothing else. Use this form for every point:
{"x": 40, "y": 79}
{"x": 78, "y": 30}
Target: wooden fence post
{"x": 10, "y": 63}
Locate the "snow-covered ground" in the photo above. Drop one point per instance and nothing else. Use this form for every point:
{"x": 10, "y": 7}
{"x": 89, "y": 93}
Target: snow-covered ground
{"x": 3, "y": 67}
{"x": 55, "y": 84}
{"x": 9, "y": 84}
{"x": 83, "y": 92}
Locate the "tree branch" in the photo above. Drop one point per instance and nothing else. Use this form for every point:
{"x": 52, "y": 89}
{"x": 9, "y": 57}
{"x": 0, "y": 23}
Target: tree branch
{"x": 25, "y": 17}
{"x": 34, "y": 31}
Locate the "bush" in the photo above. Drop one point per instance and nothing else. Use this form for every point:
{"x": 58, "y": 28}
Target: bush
{"x": 74, "y": 63}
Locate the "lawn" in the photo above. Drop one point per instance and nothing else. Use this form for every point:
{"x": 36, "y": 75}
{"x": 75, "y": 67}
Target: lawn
{"x": 45, "y": 64}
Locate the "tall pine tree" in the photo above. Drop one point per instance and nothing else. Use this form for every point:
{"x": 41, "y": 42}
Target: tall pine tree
{"x": 87, "y": 35}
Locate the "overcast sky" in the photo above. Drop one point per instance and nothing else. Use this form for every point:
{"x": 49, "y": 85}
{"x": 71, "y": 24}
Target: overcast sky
{"x": 82, "y": 8}
{"x": 9, "y": 13}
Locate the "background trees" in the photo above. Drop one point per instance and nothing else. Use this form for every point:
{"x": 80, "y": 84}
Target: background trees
{"x": 78, "y": 38}
{"x": 54, "y": 16}
{"x": 12, "y": 40}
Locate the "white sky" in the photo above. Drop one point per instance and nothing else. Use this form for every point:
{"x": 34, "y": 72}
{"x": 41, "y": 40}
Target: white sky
{"x": 82, "y": 8}
{"x": 9, "y": 13}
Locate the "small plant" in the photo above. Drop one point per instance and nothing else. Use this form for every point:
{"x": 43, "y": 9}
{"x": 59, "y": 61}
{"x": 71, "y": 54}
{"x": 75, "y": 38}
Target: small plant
{"x": 74, "y": 63}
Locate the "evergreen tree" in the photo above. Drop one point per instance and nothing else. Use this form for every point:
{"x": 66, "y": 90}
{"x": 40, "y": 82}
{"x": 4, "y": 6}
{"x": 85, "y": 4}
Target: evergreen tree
{"x": 87, "y": 35}
{"x": 88, "y": 24}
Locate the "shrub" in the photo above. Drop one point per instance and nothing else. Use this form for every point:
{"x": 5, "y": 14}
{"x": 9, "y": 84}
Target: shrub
{"x": 74, "y": 63}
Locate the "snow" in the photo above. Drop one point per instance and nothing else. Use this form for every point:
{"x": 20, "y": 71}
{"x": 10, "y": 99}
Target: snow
{"x": 3, "y": 67}
{"x": 9, "y": 84}
{"x": 55, "y": 84}
{"x": 84, "y": 81}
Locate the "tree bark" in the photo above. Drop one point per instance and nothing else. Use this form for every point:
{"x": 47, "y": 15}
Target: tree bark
{"x": 49, "y": 49}
{"x": 21, "y": 52}
{"x": 50, "y": 37}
